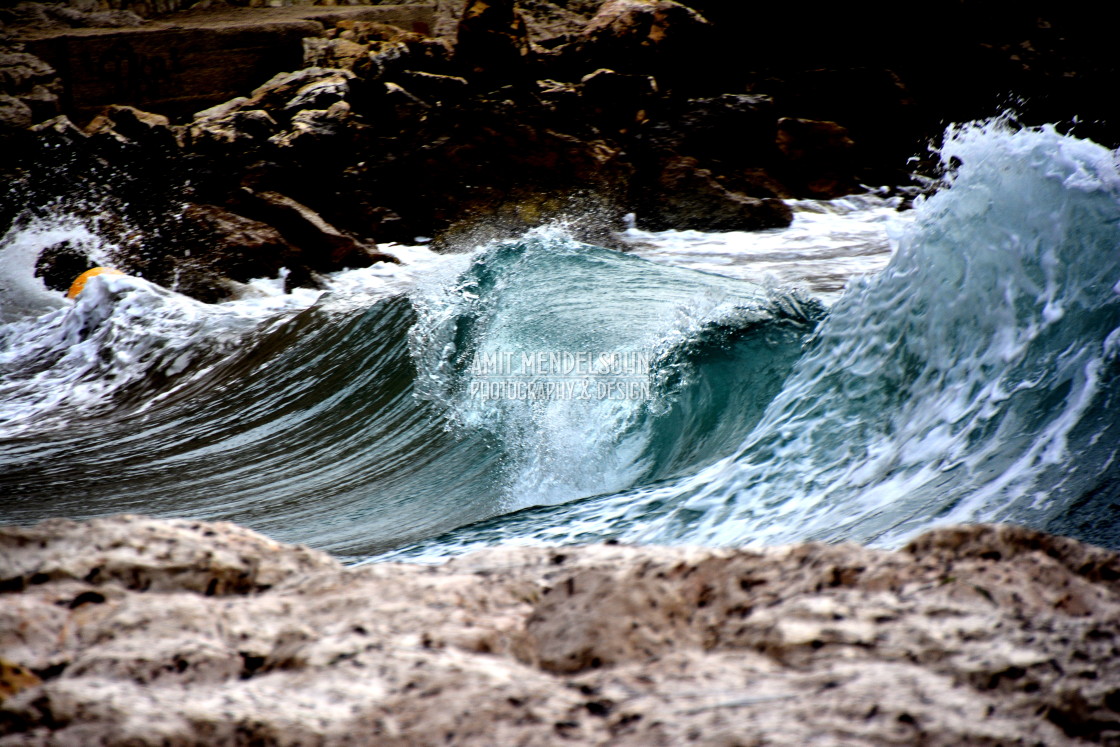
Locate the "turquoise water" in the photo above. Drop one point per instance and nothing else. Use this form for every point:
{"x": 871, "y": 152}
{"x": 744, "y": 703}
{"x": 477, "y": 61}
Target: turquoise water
{"x": 765, "y": 387}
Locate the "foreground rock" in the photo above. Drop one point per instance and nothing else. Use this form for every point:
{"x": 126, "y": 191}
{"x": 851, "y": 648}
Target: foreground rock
{"x": 138, "y": 631}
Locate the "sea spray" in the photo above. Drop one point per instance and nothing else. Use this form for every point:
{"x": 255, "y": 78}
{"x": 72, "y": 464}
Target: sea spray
{"x": 975, "y": 379}
{"x": 547, "y": 295}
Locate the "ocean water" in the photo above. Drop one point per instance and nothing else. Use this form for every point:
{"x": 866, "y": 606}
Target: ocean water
{"x": 863, "y": 375}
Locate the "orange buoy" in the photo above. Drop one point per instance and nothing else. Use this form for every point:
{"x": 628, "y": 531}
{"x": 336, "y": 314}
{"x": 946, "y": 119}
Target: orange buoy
{"x": 81, "y": 280}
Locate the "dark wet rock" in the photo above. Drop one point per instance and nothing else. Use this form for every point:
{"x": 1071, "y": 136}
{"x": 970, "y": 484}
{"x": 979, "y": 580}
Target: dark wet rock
{"x": 341, "y": 54}
{"x": 441, "y": 89}
{"x": 324, "y": 247}
{"x": 29, "y": 90}
{"x": 14, "y": 114}
{"x": 230, "y": 129}
{"x": 658, "y": 37}
{"x": 731, "y": 128}
{"x": 400, "y": 106}
{"x": 685, "y": 196}
{"x": 873, "y": 103}
{"x": 751, "y": 181}
{"x": 617, "y": 101}
{"x": 217, "y": 243}
{"x": 130, "y": 125}
{"x": 819, "y": 157}
{"x": 385, "y": 59}
{"x": 59, "y": 264}
{"x": 209, "y": 633}
{"x": 491, "y": 164}
{"x": 492, "y": 42}
{"x": 48, "y": 15}
{"x": 391, "y": 134}
{"x": 311, "y": 127}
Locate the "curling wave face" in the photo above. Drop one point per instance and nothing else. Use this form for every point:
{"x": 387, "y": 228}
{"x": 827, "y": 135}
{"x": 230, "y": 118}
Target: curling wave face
{"x": 348, "y": 421}
{"x": 975, "y": 378}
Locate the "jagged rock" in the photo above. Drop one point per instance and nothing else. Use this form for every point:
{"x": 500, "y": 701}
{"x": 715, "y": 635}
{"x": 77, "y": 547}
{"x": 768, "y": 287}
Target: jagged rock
{"x": 365, "y": 32}
{"x": 228, "y": 131}
{"x": 19, "y": 71}
{"x": 442, "y": 89}
{"x": 819, "y": 157}
{"x": 138, "y": 631}
{"x": 223, "y": 244}
{"x": 280, "y": 91}
{"x": 685, "y": 196}
{"x": 378, "y": 51}
{"x": 314, "y": 125}
{"x": 658, "y": 37}
{"x": 730, "y": 128}
{"x": 150, "y": 555}
{"x": 618, "y": 101}
{"x": 548, "y": 23}
{"x": 340, "y": 54}
{"x": 42, "y": 101}
{"x": 28, "y": 89}
{"x": 325, "y": 248}
{"x": 59, "y": 130}
{"x": 14, "y": 114}
{"x": 132, "y": 125}
{"x": 383, "y": 60}
{"x": 492, "y": 40}
{"x": 389, "y": 50}
{"x": 320, "y": 93}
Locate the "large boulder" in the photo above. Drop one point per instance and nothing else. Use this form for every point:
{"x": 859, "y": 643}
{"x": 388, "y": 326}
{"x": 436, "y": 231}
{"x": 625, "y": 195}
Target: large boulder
{"x": 730, "y": 128}
{"x": 685, "y": 196}
{"x": 819, "y": 157}
{"x": 205, "y": 251}
{"x": 658, "y": 37}
{"x": 324, "y": 247}
{"x": 129, "y": 125}
{"x": 492, "y": 41}
{"x": 229, "y": 129}
{"x": 497, "y": 174}
{"x": 15, "y": 115}
{"x": 29, "y": 89}
{"x": 223, "y": 244}
{"x": 618, "y": 102}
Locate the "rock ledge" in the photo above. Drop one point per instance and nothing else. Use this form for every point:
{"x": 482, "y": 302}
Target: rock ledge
{"x": 143, "y": 631}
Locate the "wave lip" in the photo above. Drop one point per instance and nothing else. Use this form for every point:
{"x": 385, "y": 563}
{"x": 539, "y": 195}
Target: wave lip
{"x": 548, "y": 297}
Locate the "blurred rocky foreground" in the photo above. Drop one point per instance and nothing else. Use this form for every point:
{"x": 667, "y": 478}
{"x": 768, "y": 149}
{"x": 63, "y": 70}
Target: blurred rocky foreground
{"x": 129, "y": 630}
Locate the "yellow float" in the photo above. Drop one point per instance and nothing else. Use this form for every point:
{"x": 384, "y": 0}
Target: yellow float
{"x": 81, "y": 280}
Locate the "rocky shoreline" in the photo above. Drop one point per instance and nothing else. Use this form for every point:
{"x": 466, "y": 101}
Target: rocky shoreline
{"x": 129, "y": 630}
{"x": 475, "y": 120}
